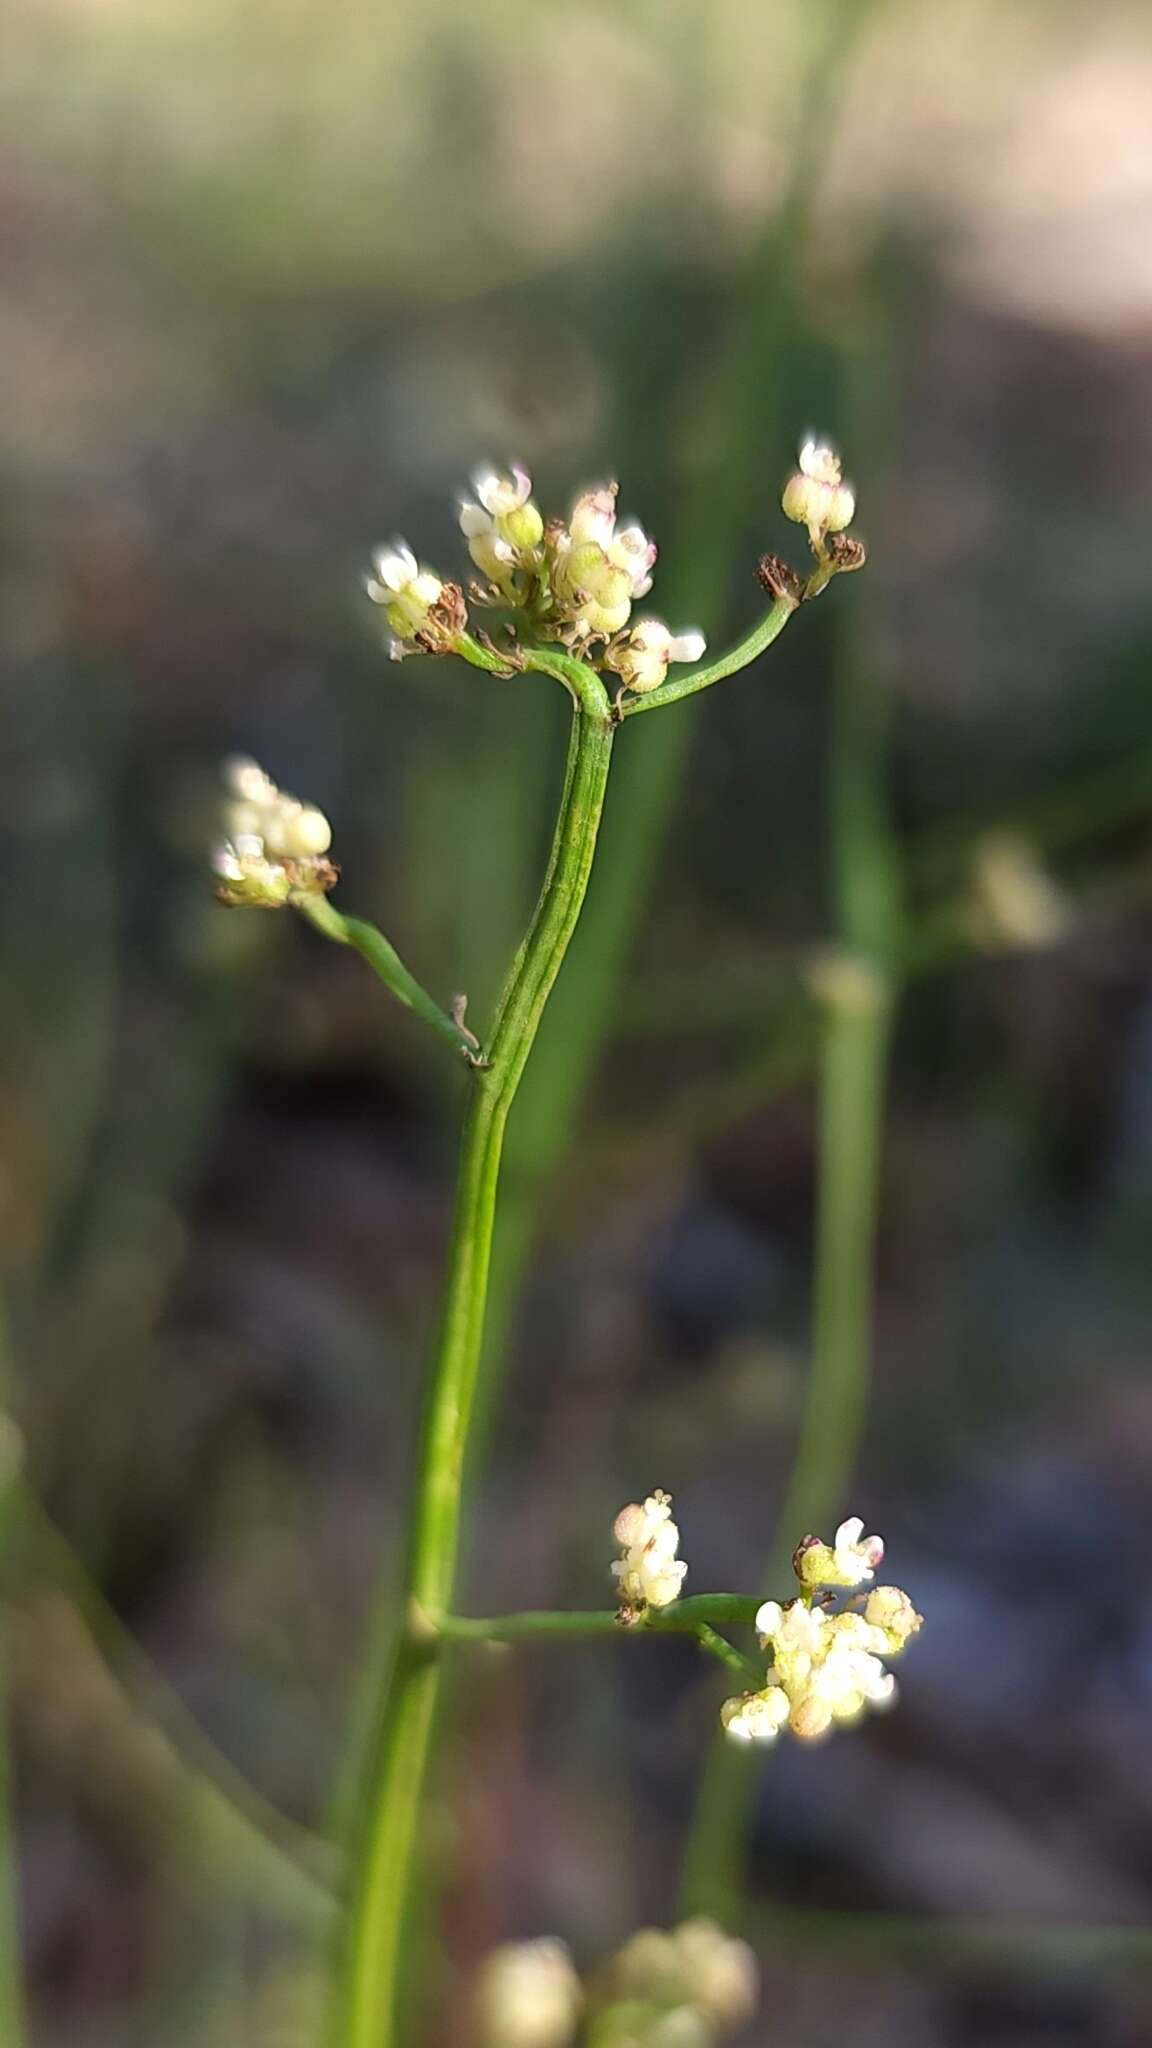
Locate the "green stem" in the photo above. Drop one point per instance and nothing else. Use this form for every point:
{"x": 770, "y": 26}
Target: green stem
{"x": 747, "y": 650}
{"x": 369, "y": 1998}
{"x": 684, "y": 1617}
{"x": 385, "y": 961}
{"x": 749, "y": 1675}
{"x": 693, "y": 1617}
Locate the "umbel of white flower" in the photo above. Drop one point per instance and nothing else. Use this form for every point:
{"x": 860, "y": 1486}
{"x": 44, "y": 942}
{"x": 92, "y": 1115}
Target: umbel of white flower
{"x": 825, "y": 1667}
{"x": 572, "y": 580}
{"x": 273, "y": 845}
{"x": 648, "y": 1572}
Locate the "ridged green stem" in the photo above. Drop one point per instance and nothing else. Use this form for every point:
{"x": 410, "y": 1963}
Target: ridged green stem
{"x": 385, "y": 961}
{"x": 368, "y": 2011}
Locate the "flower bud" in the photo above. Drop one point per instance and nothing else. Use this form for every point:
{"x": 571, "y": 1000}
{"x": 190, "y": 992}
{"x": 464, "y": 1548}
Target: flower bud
{"x": 892, "y": 1612}
{"x": 811, "y": 1717}
{"x": 522, "y": 528}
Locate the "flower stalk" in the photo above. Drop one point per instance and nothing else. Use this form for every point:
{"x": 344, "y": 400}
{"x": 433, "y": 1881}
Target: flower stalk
{"x": 571, "y": 585}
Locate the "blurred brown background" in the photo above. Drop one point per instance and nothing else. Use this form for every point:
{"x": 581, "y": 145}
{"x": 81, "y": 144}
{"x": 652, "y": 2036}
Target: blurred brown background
{"x": 276, "y": 277}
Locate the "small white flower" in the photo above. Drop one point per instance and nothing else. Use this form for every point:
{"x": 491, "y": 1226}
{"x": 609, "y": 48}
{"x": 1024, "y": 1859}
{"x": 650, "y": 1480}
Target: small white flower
{"x": 642, "y": 659}
{"x": 406, "y": 591}
{"x": 504, "y": 524}
{"x": 632, "y": 551}
{"x": 499, "y": 494}
{"x": 816, "y": 496}
{"x": 593, "y": 519}
{"x": 756, "y": 1716}
{"x": 851, "y": 1560}
{"x": 850, "y": 1679}
{"x": 857, "y": 1556}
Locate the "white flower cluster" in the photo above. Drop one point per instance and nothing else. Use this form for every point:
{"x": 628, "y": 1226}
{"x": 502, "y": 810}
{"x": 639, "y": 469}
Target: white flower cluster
{"x": 825, "y": 1668}
{"x": 679, "y": 1989}
{"x": 648, "y": 1572}
{"x": 273, "y": 843}
{"x": 577, "y": 578}
{"x": 817, "y": 496}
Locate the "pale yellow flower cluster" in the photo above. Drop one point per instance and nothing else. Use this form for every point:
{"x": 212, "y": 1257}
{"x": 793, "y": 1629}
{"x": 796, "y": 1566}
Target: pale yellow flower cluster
{"x": 571, "y": 580}
{"x": 826, "y": 1668}
{"x": 648, "y": 1572}
{"x": 273, "y": 843}
{"x": 683, "y": 1988}
{"x": 578, "y": 578}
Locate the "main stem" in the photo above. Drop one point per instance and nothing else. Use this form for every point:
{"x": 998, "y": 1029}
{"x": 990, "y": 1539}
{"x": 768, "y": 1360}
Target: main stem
{"x": 371, "y": 1978}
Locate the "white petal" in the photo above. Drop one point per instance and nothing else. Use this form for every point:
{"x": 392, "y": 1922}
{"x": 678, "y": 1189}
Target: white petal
{"x": 687, "y": 647}
{"x": 395, "y": 566}
{"x": 819, "y": 461}
{"x": 474, "y": 520}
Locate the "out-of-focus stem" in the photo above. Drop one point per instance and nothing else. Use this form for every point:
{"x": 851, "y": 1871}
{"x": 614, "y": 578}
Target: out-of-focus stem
{"x": 11, "y": 1978}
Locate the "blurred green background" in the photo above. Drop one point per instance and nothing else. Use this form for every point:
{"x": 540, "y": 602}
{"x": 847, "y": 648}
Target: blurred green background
{"x": 276, "y": 278}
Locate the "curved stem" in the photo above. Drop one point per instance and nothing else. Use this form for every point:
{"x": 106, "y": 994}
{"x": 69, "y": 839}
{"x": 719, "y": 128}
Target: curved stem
{"x": 371, "y": 1977}
{"x": 747, "y": 650}
{"x": 385, "y": 961}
